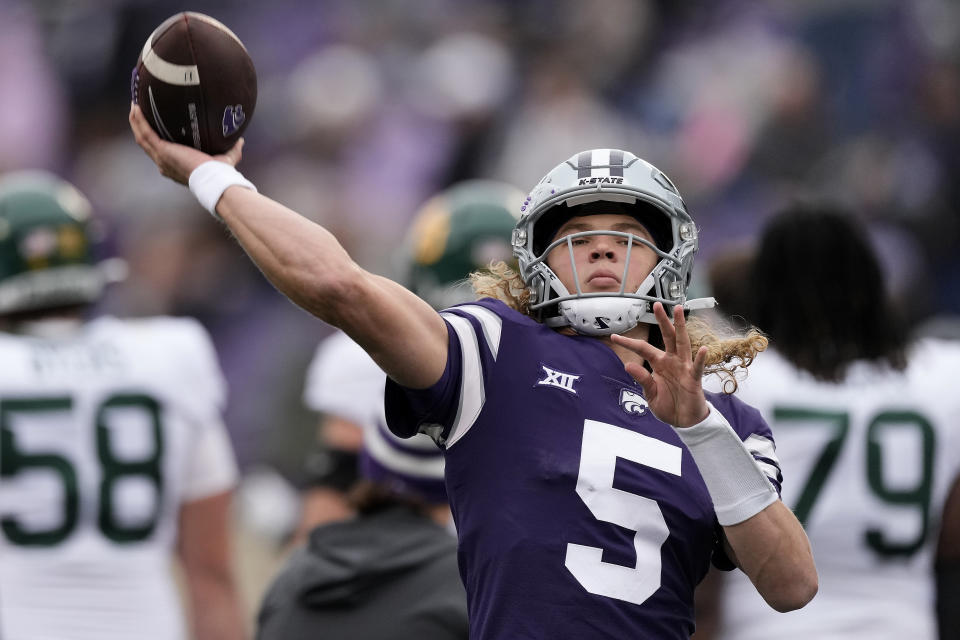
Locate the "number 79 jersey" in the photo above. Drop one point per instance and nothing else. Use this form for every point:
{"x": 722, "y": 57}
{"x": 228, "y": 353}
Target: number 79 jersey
{"x": 579, "y": 514}
{"x": 871, "y": 461}
{"x": 103, "y": 436}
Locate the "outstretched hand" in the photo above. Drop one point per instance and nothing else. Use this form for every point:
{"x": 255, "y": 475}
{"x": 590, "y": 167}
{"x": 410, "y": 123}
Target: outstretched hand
{"x": 175, "y": 161}
{"x": 674, "y": 390}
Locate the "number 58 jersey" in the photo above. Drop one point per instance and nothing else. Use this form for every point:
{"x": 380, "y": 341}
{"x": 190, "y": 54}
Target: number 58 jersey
{"x": 579, "y": 514}
{"x": 103, "y": 436}
{"x": 871, "y": 461}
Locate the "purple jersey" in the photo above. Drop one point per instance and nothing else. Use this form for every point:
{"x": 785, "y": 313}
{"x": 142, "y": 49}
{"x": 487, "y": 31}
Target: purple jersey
{"x": 579, "y": 514}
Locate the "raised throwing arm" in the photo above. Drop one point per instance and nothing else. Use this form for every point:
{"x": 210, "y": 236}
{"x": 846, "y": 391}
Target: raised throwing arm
{"x": 401, "y": 332}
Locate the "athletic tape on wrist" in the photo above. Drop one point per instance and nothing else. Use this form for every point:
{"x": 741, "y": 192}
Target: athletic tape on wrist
{"x": 738, "y": 487}
{"x": 209, "y": 181}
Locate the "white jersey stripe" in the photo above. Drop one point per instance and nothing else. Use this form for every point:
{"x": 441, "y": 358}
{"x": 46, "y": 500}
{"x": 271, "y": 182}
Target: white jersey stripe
{"x": 769, "y": 470}
{"x": 763, "y": 447}
{"x": 401, "y": 462}
{"x": 471, "y": 382}
{"x": 491, "y": 323}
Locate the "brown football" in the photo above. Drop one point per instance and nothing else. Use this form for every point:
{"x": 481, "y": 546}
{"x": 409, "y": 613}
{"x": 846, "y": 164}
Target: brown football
{"x": 195, "y": 82}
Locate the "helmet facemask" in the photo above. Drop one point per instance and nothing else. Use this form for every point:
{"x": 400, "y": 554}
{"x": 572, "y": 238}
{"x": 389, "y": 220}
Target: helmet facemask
{"x": 625, "y": 185}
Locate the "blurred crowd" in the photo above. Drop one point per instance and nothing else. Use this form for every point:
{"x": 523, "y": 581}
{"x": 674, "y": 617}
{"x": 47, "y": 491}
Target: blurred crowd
{"x": 367, "y": 108}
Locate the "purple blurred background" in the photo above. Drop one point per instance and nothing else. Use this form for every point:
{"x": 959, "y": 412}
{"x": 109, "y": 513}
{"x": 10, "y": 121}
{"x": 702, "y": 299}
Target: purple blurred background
{"x": 366, "y": 108}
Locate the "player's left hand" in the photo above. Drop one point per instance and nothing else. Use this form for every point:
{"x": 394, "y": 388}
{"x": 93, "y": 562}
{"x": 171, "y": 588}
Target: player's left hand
{"x": 175, "y": 161}
{"x": 674, "y": 390}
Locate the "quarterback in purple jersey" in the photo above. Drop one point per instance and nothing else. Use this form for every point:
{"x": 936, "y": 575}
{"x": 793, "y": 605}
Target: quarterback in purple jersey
{"x": 562, "y": 422}
{"x": 591, "y": 478}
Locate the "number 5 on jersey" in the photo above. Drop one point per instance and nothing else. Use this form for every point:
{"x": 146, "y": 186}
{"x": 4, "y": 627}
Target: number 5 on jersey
{"x": 602, "y": 444}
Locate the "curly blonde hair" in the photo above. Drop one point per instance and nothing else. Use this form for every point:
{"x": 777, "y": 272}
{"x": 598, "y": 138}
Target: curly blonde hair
{"x": 727, "y": 350}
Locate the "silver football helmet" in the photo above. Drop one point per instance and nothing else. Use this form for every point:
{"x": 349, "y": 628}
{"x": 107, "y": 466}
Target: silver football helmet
{"x": 643, "y": 191}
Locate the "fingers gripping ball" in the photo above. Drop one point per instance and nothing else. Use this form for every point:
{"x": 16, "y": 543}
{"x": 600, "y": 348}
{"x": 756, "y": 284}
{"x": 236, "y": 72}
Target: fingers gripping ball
{"x": 195, "y": 83}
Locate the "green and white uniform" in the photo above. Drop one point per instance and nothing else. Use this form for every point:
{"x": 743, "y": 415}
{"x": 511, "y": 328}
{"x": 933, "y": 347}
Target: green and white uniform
{"x": 872, "y": 460}
{"x": 106, "y": 433}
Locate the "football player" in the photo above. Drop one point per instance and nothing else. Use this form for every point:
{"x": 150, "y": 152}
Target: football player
{"x": 591, "y": 479}
{"x": 113, "y": 455}
{"x": 866, "y": 427}
{"x": 461, "y": 230}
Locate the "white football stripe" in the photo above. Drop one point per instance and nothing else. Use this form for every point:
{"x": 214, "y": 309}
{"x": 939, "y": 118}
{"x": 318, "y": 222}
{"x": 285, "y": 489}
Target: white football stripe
{"x": 491, "y": 323}
{"x": 183, "y": 75}
{"x": 402, "y": 462}
{"x": 471, "y": 382}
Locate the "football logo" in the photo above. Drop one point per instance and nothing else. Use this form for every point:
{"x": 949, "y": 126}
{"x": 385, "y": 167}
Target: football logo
{"x": 233, "y": 117}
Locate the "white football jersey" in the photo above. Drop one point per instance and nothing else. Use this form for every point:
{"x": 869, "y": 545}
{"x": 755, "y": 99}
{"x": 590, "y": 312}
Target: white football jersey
{"x": 344, "y": 381}
{"x": 867, "y": 465}
{"x": 105, "y": 434}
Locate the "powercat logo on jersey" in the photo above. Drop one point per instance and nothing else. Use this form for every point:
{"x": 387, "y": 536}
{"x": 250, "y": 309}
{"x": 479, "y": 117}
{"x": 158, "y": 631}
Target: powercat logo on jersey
{"x": 558, "y": 379}
{"x": 633, "y": 403}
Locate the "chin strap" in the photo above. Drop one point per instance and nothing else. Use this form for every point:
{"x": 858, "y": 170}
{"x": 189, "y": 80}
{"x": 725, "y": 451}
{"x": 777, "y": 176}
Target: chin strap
{"x": 699, "y": 303}
{"x": 615, "y": 314}
{"x": 601, "y": 316}
{"x": 690, "y": 305}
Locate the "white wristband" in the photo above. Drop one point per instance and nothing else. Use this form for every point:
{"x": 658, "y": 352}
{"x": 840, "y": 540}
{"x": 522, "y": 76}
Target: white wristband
{"x": 209, "y": 181}
{"x": 738, "y": 487}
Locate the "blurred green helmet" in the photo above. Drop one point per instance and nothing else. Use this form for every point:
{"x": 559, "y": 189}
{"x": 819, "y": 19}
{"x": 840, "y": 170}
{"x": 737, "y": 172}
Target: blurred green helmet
{"x": 460, "y": 230}
{"x": 45, "y": 258}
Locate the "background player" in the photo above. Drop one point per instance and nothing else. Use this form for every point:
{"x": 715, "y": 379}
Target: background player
{"x": 114, "y": 457}
{"x": 461, "y": 230}
{"x": 866, "y": 425}
{"x": 354, "y": 578}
